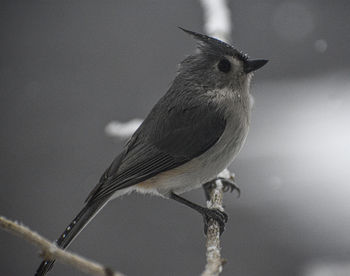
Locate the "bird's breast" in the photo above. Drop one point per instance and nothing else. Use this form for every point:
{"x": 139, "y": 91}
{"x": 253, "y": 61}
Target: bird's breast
{"x": 205, "y": 167}
{"x": 218, "y": 157}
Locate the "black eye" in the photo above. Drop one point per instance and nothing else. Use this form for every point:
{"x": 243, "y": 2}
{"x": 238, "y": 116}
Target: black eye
{"x": 224, "y": 65}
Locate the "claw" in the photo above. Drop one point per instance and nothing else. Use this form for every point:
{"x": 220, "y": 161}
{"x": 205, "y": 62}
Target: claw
{"x": 230, "y": 185}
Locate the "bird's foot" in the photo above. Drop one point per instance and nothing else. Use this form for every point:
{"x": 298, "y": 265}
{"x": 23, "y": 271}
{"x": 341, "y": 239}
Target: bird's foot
{"x": 214, "y": 214}
{"x": 229, "y": 185}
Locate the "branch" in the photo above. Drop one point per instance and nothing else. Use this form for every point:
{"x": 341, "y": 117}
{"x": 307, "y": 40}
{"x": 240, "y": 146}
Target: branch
{"x": 51, "y": 251}
{"x": 214, "y": 260}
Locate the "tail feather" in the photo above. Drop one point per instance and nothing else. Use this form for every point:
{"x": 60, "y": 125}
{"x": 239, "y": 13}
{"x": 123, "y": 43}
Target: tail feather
{"x": 72, "y": 230}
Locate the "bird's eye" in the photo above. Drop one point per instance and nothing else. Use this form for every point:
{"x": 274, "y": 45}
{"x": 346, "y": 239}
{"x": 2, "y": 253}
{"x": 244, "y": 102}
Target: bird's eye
{"x": 224, "y": 65}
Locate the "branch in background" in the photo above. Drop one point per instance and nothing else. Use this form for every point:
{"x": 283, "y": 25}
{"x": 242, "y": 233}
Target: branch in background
{"x": 51, "y": 251}
{"x": 217, "y": 19}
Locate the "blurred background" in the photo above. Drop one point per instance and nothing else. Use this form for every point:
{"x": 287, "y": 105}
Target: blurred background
{"x": 69, "y": 67}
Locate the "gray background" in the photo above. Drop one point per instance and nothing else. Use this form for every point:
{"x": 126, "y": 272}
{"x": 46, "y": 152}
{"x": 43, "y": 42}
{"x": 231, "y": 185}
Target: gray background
{"x": 70, "y": 67}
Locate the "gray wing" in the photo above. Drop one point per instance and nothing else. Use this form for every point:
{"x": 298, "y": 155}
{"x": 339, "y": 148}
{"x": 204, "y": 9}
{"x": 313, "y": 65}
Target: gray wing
{"x": 169, "y": 137}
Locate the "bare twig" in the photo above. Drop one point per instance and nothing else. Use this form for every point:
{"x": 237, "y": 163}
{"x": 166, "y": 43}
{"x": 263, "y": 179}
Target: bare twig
{"x": 51, "y": 251}
{"x": 214, "y": 260}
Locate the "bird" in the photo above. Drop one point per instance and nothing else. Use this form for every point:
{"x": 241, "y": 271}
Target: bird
{"x": 191, "y": 134}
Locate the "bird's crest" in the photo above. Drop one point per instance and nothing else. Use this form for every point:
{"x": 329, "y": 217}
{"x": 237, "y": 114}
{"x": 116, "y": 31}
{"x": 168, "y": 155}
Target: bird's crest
{"x": 210, "y": 44}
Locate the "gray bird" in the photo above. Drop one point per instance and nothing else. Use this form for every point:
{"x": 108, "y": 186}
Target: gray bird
{"x": 193, "y": 133}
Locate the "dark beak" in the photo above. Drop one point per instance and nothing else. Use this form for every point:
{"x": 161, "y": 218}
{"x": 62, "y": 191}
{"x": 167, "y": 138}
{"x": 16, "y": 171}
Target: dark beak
{"x": 255, "y": 64}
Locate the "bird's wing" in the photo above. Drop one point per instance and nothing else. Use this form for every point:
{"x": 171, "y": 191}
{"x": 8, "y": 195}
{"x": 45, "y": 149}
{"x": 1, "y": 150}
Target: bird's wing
{"x": 160, "y": 144}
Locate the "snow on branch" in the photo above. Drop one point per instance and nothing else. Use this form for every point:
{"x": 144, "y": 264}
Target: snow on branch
{"x": 51, "y": 251}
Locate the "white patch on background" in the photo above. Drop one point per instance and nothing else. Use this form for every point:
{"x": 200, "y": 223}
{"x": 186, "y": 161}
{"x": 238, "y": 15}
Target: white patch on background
{"x": 122, "y": 130}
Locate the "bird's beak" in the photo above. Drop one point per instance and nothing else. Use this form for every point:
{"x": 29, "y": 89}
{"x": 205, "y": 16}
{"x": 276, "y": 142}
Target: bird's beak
{"x": 255, "y": 64}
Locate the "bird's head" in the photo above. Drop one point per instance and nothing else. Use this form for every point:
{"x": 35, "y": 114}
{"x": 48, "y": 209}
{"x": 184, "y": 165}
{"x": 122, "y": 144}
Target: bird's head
{"x": 217, "y": 64}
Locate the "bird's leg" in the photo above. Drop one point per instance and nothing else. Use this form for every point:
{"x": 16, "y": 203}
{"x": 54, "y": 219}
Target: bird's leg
{"x": 208, "y": 187}
{"x": 208, "y": 214}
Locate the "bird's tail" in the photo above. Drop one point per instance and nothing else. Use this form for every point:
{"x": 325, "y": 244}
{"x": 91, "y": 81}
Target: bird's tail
{"x": 73, "y": 229}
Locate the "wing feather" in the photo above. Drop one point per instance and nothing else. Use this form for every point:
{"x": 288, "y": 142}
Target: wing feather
{"x": 160, "y": 144}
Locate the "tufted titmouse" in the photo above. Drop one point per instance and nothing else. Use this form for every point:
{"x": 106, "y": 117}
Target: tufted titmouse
{"x": 193, "y": 133}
